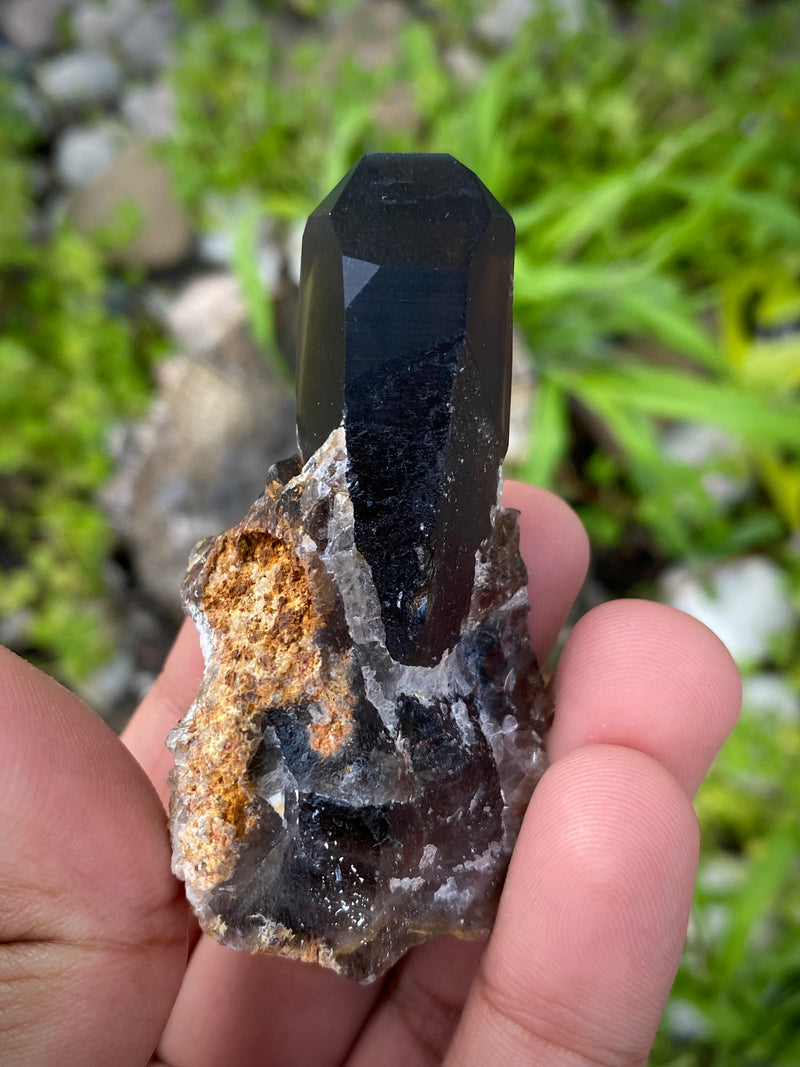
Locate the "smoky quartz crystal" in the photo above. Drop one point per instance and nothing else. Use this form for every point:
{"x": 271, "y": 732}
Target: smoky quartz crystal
{"x": 405, "y": 333}
{"x": 351, "y": 778}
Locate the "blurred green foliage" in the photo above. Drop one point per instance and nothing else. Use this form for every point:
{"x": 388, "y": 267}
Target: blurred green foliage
{"x": 69, "y": 368}
{"x": 653, "y": 171}
{"x": 736, "y": 1001}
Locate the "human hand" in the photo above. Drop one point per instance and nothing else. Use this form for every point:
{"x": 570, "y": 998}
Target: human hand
{"x": 101, "y": 964}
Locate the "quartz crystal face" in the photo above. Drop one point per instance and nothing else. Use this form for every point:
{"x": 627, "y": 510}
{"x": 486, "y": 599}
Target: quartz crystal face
{"x": 405, "y": 328}
{"x": 351, "y": 778}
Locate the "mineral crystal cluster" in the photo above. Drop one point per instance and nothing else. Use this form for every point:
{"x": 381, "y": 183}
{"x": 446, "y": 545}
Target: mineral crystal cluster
{"x": 351, "y": 778}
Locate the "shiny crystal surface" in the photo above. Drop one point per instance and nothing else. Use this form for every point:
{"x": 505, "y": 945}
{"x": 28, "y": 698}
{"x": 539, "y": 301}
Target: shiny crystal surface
{"x": 405, "y": 331}
{"x": 352, "y": 776}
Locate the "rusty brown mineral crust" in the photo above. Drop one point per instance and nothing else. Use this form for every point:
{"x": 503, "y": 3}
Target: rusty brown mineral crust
{"x": 330, "y": 804}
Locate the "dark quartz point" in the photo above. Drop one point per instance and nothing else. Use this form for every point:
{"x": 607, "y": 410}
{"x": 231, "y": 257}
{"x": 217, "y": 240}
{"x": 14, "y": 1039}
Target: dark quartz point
{"x": 405, "y": 334}
{"x": 352, "y": 776}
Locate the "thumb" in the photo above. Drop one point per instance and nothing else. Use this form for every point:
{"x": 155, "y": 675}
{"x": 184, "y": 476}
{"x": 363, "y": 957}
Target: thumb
{"x": 92, "y": 924}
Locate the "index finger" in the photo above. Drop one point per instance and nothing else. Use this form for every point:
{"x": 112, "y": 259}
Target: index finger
{"x": 594, "y": 909}
{"x": 648, "y": 677}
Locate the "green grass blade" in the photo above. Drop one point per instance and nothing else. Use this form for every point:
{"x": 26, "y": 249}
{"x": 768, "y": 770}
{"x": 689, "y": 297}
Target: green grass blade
{"x": 765, "y": 876}
{"x": 671, "y": 395}
{"x": 257, "y": 300}
{"x": 549, "y": 436}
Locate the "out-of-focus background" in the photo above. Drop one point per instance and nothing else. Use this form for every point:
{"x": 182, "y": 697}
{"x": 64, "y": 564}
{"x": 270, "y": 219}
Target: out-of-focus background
{"x": 157, "y": 161}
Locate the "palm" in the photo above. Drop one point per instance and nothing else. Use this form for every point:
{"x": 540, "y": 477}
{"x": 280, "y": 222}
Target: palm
{"x": 95, "y": 931}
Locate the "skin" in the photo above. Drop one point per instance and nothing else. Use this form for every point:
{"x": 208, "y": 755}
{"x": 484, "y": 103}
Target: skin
{"x": 101, "y": 962}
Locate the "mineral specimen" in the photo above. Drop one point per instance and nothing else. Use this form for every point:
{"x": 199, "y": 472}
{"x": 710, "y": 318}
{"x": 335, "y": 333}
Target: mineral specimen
{"x": 352, "y": 775}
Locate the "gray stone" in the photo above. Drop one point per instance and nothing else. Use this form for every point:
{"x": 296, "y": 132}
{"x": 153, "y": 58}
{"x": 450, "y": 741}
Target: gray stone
{"x": 770, "y": 695}
{"x": 721, "y": 873}
{"x": 140, "y": 32}
{"x": 147, "y": 42}
{"x": 217, "y": 248}
{"x": 216, "y": 244}
{"x": 685, "y": 1022}
{"x": 464, "y": 64}
{"x": 32, "y": 24}
{"x": 108, "y": 684}
{"x": 294, "y": 250}
{"x": 95, "y": 25}
{"x": 500, "y": 22}
{"x": 149, "y": 110}
{"x": 376, "y": 27}
{"x": 523, "y": 386}
{"x": 137, "y": 182}
{"x": 745, "y": 602}
{"x": 699, "y": 445}
{"x": 192, "y": 466}
{"x": 207, "y": 309}
{"x": 84, "y": 152}
{"x": 79, "y": 78}
{"x": 15, "y": 628}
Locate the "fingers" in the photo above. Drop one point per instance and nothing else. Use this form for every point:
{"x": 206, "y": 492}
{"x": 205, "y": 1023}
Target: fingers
{"x": 92, "y": 930}
{"x": 594, "y": 910}
{"x": 647, "y": 676}
{"x": 556, "y": 551}
{"x": 592, "y": 921}
{"x": 421, "y": 1005}
{"x": 236, "y": 1009}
